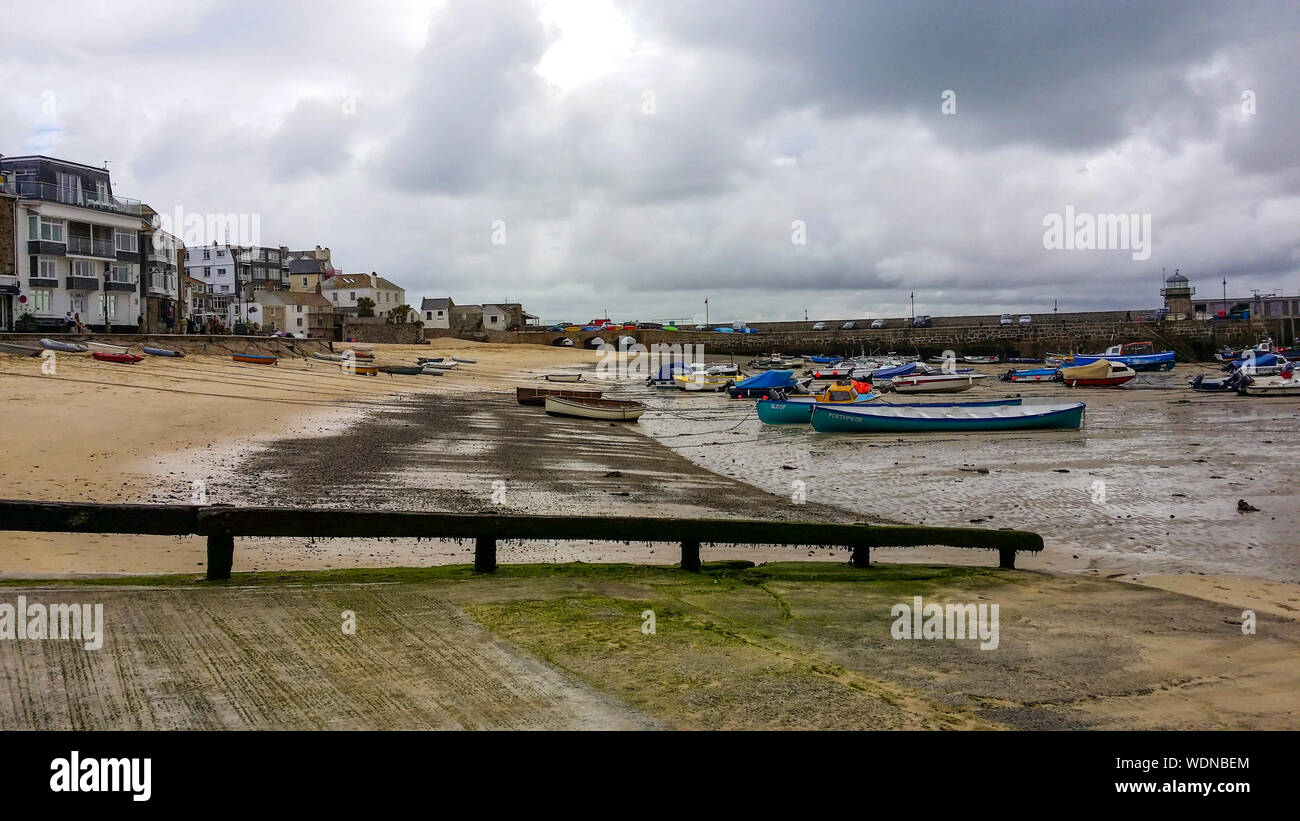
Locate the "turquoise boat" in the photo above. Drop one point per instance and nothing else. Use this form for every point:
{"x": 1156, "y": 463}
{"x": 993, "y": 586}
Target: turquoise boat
{"x": 880, "y": 417}
{"x": 799, "y": 411}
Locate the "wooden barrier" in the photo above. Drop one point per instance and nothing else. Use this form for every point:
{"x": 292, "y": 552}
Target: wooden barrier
{"x": 222, "y": 524}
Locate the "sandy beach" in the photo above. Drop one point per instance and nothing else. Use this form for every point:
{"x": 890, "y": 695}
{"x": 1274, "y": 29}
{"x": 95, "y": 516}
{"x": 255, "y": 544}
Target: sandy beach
{"x": 304, "y": 433}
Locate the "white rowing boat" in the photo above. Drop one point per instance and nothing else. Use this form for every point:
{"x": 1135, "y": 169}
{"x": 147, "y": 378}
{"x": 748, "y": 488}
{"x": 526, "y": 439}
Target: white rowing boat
{"x": 937, "y": 383}
{"x": 608, "y": 410}
{"x": 564, "y": 377}
{"x": 104, "y": 347}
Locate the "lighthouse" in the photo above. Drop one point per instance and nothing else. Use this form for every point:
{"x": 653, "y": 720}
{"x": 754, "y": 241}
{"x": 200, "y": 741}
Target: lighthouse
{"x": 1178, "y": 295}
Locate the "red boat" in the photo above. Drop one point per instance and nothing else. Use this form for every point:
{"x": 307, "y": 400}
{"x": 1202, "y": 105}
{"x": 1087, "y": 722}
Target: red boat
{"x": 120, "y": 358}
{"x": 1100, "y": 374}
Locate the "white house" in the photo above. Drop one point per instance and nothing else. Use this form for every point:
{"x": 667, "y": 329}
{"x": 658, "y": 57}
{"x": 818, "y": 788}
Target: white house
{"x": 436, "y": 313}
{"x": 345, "y": 290}
{"x": 81, "y": 244}
{"x": 215, "y": 266}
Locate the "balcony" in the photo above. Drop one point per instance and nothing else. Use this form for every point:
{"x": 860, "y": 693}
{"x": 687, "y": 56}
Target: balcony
{"x": 50, "y": 192}
{"x": 87, "y": 247}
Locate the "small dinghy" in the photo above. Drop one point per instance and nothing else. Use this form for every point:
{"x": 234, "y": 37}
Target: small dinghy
{"x": 19, "y": 350}
{"x": 255, "y": 359}
{"x": 402, "y": 370}
{"x": 361, "y": 347}
{"x": 359, "y": 370}
{"x": 119, "y": 358}
{"x": 877, "y": 417}
{"x": 162, "y": 352}
{"x": 1100, "y": 374}
{"x": 564, "y": 377}
{"x": 610, "y": 410}
{"x": 1286, "y": 383}
{"x": 427, "y": 371}
{"x": 66, "y": 347}
{"x": 104, "y": 347}
{"x": 537, "y": 396}
{"x": 939, "y": 383}
{"x": 328, "y": 357}
{"x": 442, "y": 365}
{"x": 980, "y": 360}
{"x": 1031, "y": 375}
{"x": 466, "y": 361}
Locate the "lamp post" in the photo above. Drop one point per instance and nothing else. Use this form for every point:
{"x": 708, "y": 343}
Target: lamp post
{"x": 706, "y": 310}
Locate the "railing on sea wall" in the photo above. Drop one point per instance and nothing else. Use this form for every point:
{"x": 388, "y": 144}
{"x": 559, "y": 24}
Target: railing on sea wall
{"x": 222, "y": 524}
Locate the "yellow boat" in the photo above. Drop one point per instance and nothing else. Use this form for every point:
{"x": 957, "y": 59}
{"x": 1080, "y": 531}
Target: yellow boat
{"x": 700, "y": 381}
{"x": 359, "y": 370}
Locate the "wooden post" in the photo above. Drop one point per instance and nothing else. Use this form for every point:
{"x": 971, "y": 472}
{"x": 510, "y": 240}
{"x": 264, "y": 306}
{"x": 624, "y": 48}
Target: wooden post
{"x": 691, "y": 556}
{"x": 861, "y": 556}
{"x": 1007, "y": 558}
{"x": 221, "y": 555}
{"x": 485, "y": 555}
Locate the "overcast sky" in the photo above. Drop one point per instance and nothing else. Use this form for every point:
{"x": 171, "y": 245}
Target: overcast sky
{"x": 642, "y": 156}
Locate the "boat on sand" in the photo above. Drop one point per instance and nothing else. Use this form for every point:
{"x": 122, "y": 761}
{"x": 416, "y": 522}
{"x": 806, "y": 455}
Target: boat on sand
{"x": 1100, "y": 374}
{"x": 58, "y": 345}
{"x": 537, "y": 396}
{"x": 611, "y": 410}
{"x": 104, "y": 347}
{"x": 876, "y": 417}
{"x": 255, "y": 358}
{"x": 937, "y": 383}
{"x": 119, "y": 358}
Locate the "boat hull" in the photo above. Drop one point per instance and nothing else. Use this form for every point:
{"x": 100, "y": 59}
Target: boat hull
{"x": 564, "y": 377}
{"x": 840, "y": 420}
{"x": 1139, "y": 362}
{"x": 1033, "y": 375}
{"x": 119, "y": 358}
{"x": 19, "y": 350}
{"x": 255, "y": 359}
{"x": 605, "y": 410}
{"x": 1105, "y": 382}
{"x": 937, "y": 384}
{"x": 162, "y": 352}
{"x": 537, "y": 396}
{"x": 66, "y": 347}
{"x": 104, "y": 347}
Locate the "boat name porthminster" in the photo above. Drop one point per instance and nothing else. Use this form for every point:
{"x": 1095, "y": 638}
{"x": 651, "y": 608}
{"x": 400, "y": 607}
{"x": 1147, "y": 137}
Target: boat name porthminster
{"x": 75, "y": 622}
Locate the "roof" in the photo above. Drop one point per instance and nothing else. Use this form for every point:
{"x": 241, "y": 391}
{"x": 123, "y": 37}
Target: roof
{"x": 291, "y": 298}
{"x": 307, "y": 266}
{"x": 1177, "y": 277}
{"x": 438, "y": 304}
{"x": 360, "y": 281}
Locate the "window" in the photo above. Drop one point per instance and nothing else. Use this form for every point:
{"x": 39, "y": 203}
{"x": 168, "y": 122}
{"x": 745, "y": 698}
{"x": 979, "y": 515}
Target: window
{"x": 220, "y": 253}
{"x": 119, "y": 272}
{"x": 221, "y": 272}
{"x": 110, "y": 306}
{"x": 493, "y": 320}
{"x": 207, "y": 270}
{"x": 299, "y": 322}
{"x": 206, "y": 254}
{"x": 45, "y": 268}
{"x": 45, "y": 229}
{"x": 78, "y": 303}
{"x": 335, "y": 295}
{"x": 225, "y": 289}
{"x": 101, "y": 191}
{"x": 429, "y": 314}
{"x": 440, "y": 313}
{"x": 353, "y": 296}
{"x": 42, "y": 301}
{"x": 126, "y": 241}
{"x": 299, "y": 309}
{"x": 69, "y": 188}
{"x": 83, "y": 268}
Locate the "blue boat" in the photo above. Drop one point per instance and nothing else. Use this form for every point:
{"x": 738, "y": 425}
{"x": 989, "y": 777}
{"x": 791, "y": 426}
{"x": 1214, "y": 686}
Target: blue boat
{"x": 162, "y": 352}
{"x": 799, "y": 410}
{"x": 1140, "y": 356}
{"x": 823, "y": 360}
{"x": 890, "y": 373}
{"x": 878, "y": 417}
{"x": 1032, "y": 375}
{"x": 762, "y": 384}
{"x": 664, "y": 377}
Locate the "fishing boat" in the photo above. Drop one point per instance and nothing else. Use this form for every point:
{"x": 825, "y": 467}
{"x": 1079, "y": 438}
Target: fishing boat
{"x": 1140, "y": 356}
{"x": 875, "y": 417}
{"x": 1284, "y": 384}
{"x": 427, "y": 371}
{"x": 19, "y": 350}
{"x": 980, "y": 360}
{"x": 104, "y": 347}
{"x": 327, "y": 357}
{"x": 464, "y": 360}
{"x": 1031, "y": 375}
{"x": 537, "y": 396}
{"x": 360, "y": 370}
{"x": 663, "y": 378}
{"x": 1100, "y": 374}
{"x": 779, "y": 409}
{"x": 255, "y": 359}
{"x": 162, "y": 352}
{"x": 119, "y": 358}
{"x": 1264, "y": 364}
{"x": 937, "y": 383}
{"x": 762, "y": 384}
{"x": 563, "y": 377}
{"x": 723, "y": 369}
{"x": 442, "y": 365}
{"x": 401, "y": 370}
{"x": 360, "y": 356}
{"x": 905, "y": 369}
{"x": 361, "y": 347}
{"x": 608, "y": 410}
{"x": 57, "y": 345}
{"x": 823, "y": 360}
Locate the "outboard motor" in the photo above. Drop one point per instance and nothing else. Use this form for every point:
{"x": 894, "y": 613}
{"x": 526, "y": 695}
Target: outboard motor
{"x": 1006, "y": 377}
{"x": 1196, "y": 381}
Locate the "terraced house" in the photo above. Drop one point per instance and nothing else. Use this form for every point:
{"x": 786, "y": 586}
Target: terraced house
{"x": 78, "y": 244}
